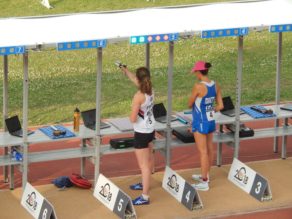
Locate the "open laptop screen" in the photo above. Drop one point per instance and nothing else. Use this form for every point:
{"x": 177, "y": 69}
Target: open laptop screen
{"x": 13, "y": 124}
{"x": 159, "y": 110}
{"x": 89, "y": 117}
{"x": 227, "y": 103}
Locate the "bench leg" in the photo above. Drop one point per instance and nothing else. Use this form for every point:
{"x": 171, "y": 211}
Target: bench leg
{"x": 284, "y": 141}
{"x": 219, "y": 149}
{"x": 284, "y": 145}
{"x": 83, "y": 159}
{"x": 11, "y": 173}
{"x": 219, "y": 154}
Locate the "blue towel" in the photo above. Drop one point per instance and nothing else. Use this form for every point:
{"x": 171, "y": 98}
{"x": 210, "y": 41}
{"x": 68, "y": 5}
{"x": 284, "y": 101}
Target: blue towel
{"x": 255, "y": 114}
{"x": 49, "y": 132}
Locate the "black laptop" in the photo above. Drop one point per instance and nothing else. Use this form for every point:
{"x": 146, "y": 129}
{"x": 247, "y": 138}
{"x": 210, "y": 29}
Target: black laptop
{"x": 89, "y": 119}
{"x": 160, "y": 113}
{"x": 287, "y": 107}
{"x": 14, "y": 127}
{"x": 229, "y": 109}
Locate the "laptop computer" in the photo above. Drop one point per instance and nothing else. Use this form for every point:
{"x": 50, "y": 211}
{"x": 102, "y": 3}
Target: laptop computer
{"x": 160, "y": 113}
{"x": 89, "y": 119}
{"x": 229, "y": 109}
{"x": 122, "y": 124}
{"x": 14, "y": 127}
{"x": 287, "y": 107}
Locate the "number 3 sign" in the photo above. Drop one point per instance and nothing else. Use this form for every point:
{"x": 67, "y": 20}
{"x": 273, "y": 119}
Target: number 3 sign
{"x": 181, "y": 190}
{"x": 249, "y": 181}
{"x": 114, "y": 198}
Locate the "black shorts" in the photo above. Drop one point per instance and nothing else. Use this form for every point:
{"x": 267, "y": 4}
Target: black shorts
{"x": 142, "y": 140}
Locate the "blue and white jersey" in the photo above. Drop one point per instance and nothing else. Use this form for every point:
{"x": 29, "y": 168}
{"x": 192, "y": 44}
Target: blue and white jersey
{"x": 203, "y": 110}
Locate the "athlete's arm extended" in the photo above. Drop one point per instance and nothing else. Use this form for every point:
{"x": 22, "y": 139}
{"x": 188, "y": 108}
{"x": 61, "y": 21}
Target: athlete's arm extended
{"x": 219, "y": 101}
{"x": 130, "y": 75}
{"x": 138, "y": 99}
{"x": 194, "y": 95}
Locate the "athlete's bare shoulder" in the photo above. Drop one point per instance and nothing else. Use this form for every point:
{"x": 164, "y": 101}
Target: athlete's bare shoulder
{"x": 139, "y": 97}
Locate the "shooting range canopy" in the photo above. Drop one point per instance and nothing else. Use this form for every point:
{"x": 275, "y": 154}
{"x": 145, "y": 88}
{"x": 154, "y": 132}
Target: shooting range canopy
{"x": 118, "y": 26}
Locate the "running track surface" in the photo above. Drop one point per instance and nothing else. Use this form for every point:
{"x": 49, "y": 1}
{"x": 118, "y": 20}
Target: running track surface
{"x": 125, "y": 164}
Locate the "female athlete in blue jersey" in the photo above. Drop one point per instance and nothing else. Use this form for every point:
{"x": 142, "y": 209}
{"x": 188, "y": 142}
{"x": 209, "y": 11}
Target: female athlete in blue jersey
{"x": 202, "y": 101}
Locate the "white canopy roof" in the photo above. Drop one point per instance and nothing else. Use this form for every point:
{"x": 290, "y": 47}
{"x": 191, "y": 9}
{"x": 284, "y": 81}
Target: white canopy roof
{"x": 121, "y": 25}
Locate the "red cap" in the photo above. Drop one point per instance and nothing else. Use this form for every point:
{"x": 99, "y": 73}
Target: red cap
{"x": 199, "y": 66}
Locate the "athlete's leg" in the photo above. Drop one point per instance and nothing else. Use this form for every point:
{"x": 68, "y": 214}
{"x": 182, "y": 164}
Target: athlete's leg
{"x": 143, "y": 157}
{"x": 201, "y": 142}
{"x": 210, "y": 148}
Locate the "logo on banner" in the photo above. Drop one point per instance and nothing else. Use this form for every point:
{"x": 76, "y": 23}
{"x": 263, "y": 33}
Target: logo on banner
{"x": 241, "y": 175}
{"x": 172, "y": 183}
{"x": 105, "y": 192}
{"x": 31, "y": 201}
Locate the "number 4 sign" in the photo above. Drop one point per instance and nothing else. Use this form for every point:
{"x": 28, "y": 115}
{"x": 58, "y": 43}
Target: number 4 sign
{"x": 181, "y": 190}
{"x": 114, "y": 198}
{"x": 249, "y": 181}
{"x": 36, "y": 204}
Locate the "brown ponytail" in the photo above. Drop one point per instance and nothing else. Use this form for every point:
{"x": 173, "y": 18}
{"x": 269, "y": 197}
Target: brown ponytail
{"x": 143, "y": 76}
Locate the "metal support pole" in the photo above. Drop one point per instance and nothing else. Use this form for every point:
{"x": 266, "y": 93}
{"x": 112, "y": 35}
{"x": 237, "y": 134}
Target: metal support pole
{"x": 83, "y": 159}
{"x": 97, "y": 141}
{"x": 278, "y": 86}
{"x": 169, "y": 103}
{"x": 25, "y": 119}
{"x": 5, "y": 110}
{"x": 238, "y": 95}
{"x": 284, "y": 141}
{"x": 219, "y": 149}
{"x": 147, "y": 56}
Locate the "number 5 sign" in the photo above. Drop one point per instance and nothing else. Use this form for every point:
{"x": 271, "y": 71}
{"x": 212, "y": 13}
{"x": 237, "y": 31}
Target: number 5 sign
{"x": 36, "y": 204}
{"x": 114, "y": 198}
{"x": 181, "y": 190}
{"x": 249, "y": 181}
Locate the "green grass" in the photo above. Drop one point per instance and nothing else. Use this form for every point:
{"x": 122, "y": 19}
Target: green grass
{"x": 60, "y": 81}
{"x": 33, "y": 7}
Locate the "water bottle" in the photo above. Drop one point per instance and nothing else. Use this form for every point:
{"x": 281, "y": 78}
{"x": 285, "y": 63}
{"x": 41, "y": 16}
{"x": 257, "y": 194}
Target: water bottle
{"x": 76, "y": 122}
{"x": 16, "y": 156}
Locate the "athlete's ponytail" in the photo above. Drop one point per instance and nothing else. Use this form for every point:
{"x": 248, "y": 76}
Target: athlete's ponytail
{"x": 207, "y": 66}
{"x": 143, "y": 76}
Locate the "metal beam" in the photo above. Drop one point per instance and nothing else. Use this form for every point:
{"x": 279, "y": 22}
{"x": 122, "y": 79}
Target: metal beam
{"x": 278, "y": 86}
{"x": 238, "y": 95}
{"x": 284, "y": 140}
{"x": 98, "y": 113}
{"x": 147, "y": 55}
{"x": 25, "y": 119}
{"x": 219, "y": 148}
{"x": 5, "y": 109}
{"x": 169, "y": 103}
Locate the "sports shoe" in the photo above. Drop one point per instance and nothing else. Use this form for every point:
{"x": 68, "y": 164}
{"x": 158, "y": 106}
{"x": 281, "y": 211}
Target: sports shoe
{"x": 140, "y": 201}
{"x": 202, "y": 186}
{"x": 198, "y": 177}
{"x": 137, "y": 186}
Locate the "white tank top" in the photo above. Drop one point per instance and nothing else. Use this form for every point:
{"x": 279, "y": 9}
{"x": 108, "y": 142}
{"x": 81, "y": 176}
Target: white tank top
{"x": 145, "y": 119}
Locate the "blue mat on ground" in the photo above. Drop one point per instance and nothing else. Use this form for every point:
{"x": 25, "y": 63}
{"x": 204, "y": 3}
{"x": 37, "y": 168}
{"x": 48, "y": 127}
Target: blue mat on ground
{"x": 256, "y": 114}
{"x": 48, "y": 131}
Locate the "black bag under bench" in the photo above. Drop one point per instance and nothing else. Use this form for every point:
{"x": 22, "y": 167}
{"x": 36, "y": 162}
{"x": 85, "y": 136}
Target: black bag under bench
{"x": 121, "y": 143}
{"x": 183, "y": 134}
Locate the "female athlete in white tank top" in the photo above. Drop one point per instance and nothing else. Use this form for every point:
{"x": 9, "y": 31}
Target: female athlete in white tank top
{"x": 145, "y": 121}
